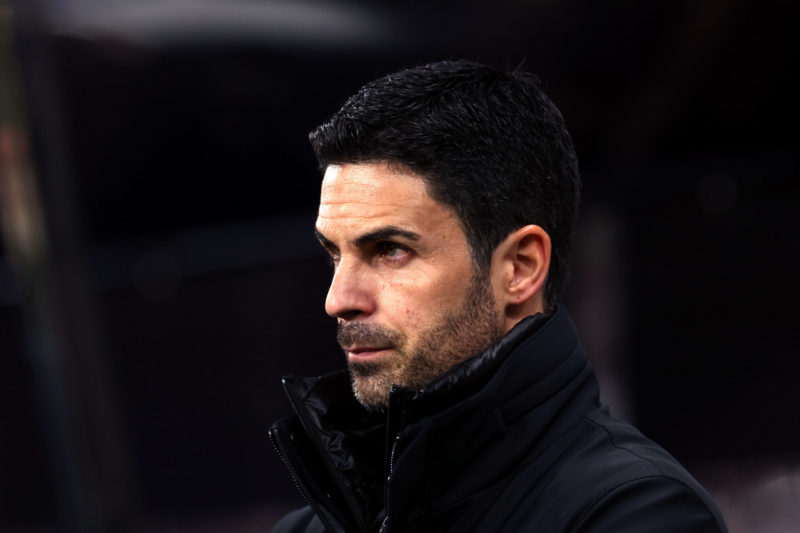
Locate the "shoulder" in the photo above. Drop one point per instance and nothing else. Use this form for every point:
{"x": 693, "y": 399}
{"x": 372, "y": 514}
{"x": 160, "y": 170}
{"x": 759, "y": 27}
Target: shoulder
{"x": 655, "y": 504}
{"x": 602, "y": 475}
{"x": 303, "y": 520}
{"x": 640, "y": 486}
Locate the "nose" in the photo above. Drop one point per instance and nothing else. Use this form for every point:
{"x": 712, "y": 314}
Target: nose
{"x": 349, "y": 295}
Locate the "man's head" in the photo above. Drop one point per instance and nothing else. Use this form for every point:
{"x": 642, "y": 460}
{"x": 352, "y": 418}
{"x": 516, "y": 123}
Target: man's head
{"x": 445, "y": 187}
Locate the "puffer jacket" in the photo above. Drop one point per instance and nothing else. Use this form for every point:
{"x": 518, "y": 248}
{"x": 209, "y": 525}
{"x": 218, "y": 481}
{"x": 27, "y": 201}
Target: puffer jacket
{"x": 514, "y": 440}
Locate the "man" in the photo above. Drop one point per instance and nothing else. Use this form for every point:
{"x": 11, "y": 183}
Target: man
{"x": 448, "y": 201}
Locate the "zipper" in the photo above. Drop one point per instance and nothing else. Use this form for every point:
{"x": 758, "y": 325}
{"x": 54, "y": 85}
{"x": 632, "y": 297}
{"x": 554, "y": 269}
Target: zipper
{"x": 309, "y": 429}
{"x": 392, "y": 423}
{"x": 298, "y": 485}
{"x": 392, "y": 455}
{"x": 327, "y": 520}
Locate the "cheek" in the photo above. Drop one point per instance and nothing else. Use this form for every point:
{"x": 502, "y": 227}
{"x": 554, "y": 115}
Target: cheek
{"x": 402, "y": 298}
{"x": 413, "y": 304}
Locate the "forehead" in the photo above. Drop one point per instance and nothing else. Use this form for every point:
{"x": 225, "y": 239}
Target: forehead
{"x": 378, "y": 194}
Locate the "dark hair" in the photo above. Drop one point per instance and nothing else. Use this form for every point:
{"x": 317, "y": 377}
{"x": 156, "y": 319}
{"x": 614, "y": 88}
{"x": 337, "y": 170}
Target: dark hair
{"x": 488, "y": 143}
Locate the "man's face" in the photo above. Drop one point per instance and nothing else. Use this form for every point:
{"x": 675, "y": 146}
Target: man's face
{"x": 408, "y": 301}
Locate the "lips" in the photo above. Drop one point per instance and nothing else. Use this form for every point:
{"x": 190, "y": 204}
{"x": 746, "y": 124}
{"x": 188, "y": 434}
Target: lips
{"x": 363, "y": 341}
{"x": 365, "y": 352}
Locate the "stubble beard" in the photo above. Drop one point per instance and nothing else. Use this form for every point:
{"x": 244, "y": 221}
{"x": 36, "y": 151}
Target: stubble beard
{"x": 455, "y": 338}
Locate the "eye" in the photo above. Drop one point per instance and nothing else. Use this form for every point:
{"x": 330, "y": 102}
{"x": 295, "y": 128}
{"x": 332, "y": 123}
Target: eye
{"x": 333, "y": 258}
{"x": 391, "y": 250}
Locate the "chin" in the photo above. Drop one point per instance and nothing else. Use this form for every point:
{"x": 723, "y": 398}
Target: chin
{"x": 371, "y": 387}
{"x": 372, "y": 397}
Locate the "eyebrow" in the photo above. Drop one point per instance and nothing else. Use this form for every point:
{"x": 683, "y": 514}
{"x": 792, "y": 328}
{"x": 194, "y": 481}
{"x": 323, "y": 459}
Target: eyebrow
{"x": 325, "y": 242}
{"x": 379, "y": 234}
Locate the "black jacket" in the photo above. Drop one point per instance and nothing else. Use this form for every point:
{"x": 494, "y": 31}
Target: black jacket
{"x": 512, "y": 440}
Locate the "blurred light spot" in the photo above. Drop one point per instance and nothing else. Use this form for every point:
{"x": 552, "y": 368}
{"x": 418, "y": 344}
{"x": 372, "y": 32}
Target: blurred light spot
{"x": 156, "y": 276}
{"x": 717, "y": 194}
{"x": 288, "y": 22}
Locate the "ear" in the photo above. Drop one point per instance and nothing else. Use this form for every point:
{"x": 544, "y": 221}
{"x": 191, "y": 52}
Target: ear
{"x": 520, "y": 265}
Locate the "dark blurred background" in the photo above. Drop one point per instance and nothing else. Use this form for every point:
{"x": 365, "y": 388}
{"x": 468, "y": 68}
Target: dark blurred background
{"x": 158, "y": 272}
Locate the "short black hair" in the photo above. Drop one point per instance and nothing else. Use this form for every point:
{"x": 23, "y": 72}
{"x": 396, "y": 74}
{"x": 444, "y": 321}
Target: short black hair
{"x": 488, "y": 143}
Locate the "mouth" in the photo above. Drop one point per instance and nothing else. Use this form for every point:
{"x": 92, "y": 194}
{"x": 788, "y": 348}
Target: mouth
{"x": 362, "y": 353}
